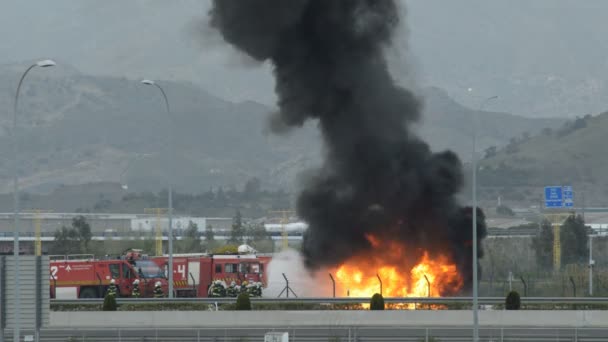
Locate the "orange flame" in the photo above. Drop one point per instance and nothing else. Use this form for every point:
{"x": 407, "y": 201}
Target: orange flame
{"x": 358, "y": 277}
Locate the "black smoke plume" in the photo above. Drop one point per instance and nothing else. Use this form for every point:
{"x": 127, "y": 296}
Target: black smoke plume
{"x": 378, "y": 177}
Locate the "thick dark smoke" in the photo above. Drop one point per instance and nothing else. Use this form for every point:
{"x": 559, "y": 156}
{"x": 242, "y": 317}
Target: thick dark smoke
{"x": 378, "y": 177}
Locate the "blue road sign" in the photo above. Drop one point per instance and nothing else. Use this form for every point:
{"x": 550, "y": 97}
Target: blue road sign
{"x": 559, "y": 197}
{"x": 553, "y": 197}
{"x": 568, "y": 196}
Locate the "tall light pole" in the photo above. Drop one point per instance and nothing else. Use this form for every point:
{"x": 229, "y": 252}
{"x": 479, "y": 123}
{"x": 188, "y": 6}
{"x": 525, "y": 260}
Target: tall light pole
{"x": 16, "y": 329}
{"x": 169, "y": 184}
{"x": 474, "y": 164}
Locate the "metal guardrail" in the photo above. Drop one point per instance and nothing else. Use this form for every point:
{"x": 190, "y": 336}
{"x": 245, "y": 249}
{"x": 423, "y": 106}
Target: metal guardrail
{"x": 346, "y": 300}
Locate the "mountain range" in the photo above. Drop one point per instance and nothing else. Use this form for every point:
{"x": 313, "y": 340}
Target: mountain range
{"x": 76, "y": 128}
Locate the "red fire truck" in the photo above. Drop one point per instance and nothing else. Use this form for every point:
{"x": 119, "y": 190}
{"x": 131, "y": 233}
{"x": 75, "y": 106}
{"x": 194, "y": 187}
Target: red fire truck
{"x": 194, "y": 273}
{"x": 85, "y": 277}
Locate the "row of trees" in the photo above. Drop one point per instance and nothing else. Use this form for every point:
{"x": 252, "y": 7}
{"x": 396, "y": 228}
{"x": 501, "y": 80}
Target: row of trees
{"x": 573, "y": 240}
{"x": 75, "y": 239}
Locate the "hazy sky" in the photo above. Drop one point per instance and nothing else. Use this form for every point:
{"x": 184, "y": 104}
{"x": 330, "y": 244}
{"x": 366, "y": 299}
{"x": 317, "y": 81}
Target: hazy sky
{"x": 543, "y": 57}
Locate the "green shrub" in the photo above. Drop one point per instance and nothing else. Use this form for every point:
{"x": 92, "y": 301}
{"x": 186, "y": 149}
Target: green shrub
{"x": 243, "y": 302}
{"x": 377, "y": 302}
{"x": 513, "y": 302}
{"x": 109, "y": 303}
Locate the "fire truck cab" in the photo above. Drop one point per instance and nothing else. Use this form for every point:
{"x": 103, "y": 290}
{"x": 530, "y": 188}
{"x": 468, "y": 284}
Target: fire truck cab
{"x": 85, "y": 277}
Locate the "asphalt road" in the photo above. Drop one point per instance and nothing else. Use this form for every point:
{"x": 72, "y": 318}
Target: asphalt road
{"x": 328, "y": 334}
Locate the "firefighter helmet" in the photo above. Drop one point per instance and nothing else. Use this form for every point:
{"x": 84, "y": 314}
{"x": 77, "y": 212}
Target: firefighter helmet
{"x": 157, "y": 284}
{"x": 136, "y": 282}
{"x": 112, "y": 281}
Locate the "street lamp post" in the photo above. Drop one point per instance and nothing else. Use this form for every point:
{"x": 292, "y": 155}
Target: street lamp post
{"x": 16, "y": 329}
{"x": 169, "y": 184}
{"x": 474, "y": 165}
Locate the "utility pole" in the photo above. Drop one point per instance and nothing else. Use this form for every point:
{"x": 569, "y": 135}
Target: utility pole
{"x": 474, "y": 228}
{"x": 591, "y": 263}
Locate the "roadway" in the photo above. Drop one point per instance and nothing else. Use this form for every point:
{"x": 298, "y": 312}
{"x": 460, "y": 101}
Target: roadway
{"x": 326, "y": 334}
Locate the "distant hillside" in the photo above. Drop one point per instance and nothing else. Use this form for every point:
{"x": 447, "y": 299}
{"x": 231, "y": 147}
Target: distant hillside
{"x": 448, "y": 125}
{"x": 78, "y": 129}
{"x": 570, "y": 155}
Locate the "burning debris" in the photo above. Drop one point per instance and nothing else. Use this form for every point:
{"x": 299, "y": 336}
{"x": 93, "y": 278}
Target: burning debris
{"x": 382, "y": 203}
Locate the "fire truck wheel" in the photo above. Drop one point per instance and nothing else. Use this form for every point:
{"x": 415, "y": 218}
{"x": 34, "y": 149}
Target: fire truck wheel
{"x": 88, "y": 293}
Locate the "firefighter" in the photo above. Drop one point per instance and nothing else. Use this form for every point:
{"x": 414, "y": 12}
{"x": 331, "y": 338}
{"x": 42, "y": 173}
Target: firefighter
{"x": 218, "y": 290}
{"x": 258, "y": 289}
{"x": 158, "y": 290}
{"x": 112, "y": 290}
{"x": 232, "y": 291}
{"x": 244, "y": 285}
{"x": 250, "y": 289}
{"x": 135, "y": 293}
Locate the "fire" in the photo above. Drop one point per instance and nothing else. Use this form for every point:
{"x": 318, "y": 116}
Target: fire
{"x": 400, "y": 277}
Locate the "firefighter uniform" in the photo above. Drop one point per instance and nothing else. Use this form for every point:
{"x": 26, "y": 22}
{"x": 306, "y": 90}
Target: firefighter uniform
{"x": 135, "y": 293}
{"x": 112, "y": 289}
{"x": 250, "y": 289}
{"x": 158, "y": 290}
{"x": 244, "y": 286}
{"x": 257, "y": 290}
{"x": 232, "y": 290}
{"x": 218, "y": 290}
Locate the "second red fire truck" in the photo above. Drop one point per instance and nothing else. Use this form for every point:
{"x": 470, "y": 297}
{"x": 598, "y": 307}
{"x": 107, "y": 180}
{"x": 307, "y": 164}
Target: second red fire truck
{"x": 194, "y": 273}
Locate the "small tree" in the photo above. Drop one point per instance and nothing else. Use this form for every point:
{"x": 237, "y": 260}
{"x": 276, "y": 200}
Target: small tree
{"x": 377, "y": 302}
{"x": 574, "y": 240}
{"x": 543, "y": 246}
{"x": 109, "y": 303}
{"x": 237, "y": 232}
{"x": 243, "y": 303}
{"x": 513, "y": 302}
{"x": 192, "y": 239}
{"x": 83, "y": 228}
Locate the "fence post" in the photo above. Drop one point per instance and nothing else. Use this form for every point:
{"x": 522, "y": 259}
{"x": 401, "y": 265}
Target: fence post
{"x": 380, "y": 280}
{"x": 525, "y": 286}
{"x": 333, "y": 282}
{"x": 428, "y": 285}
{"x": 426, "y": 334}
{"x": 573, "y": 286}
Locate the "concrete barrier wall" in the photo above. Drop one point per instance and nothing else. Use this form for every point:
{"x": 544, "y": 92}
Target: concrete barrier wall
{"x": 30, "y": 284}
{"x": 172, "y": 319}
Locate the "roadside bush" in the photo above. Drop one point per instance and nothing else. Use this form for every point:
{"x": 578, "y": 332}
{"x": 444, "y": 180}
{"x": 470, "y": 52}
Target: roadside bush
{"x": 109, "y": 303}
{"x": 243, "y": 302}
{"x": 377, "y": 302}
{"x": 513, "y": 302}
